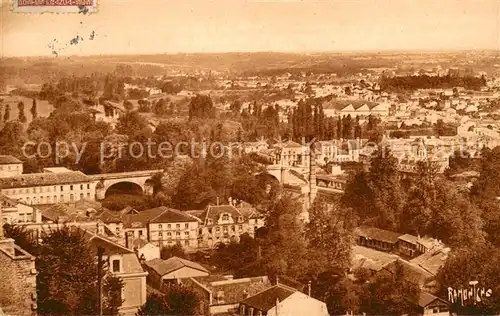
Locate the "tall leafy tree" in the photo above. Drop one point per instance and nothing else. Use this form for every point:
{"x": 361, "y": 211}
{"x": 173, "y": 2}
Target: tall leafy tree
{"x": 477, "y": 263}
{"x": 330, "y": 234}
{"x": 285, "y": 236}
{"x": 22, "y": 117}
{"x": 177, "y": 300}
{"x": 6, "y": 116}
{"x": 392, "y": 294}
{"x": 66, "y": 284}
{"x": 33, "y": 110}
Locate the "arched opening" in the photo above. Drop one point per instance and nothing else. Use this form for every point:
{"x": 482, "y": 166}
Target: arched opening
{"x": 124, "y": 188}
{"x": 123, "y": 194}
{"x": 267, "y": 177}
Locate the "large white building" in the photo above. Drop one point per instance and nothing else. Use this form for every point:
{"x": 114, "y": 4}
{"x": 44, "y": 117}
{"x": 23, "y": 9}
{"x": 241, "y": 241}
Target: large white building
{"x": 54, "y": 185}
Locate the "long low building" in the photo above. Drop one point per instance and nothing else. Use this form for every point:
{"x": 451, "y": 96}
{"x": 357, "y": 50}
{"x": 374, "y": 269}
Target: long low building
{"x": 54, "y": 185}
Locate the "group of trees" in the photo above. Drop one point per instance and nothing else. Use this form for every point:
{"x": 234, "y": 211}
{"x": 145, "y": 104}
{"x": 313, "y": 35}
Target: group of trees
{"x": 431, "y": 82}
{"x": 425, "y": 203}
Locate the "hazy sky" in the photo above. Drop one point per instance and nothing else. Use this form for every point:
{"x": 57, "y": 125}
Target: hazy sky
{"x": 158, "y": 26}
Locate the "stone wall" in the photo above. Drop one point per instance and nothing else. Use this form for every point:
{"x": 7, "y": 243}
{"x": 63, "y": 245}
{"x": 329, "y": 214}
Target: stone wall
{"x": 18, "y": 280}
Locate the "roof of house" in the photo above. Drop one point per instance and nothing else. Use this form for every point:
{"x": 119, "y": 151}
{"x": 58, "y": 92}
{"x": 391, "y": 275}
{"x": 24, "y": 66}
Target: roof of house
{"x": 64, "y": 213}
{"x": 139, "y": 242}
{"x": 375, "y": 233}
{"x": 43, "y": 179}
{"x": 170, "y": 215}
{"x": 6, "y": 201}
{"x": 130, "y": 261}
{"x": 163, "y": 267}
{"x": 237, "y": 290}
{"x": 109, "y": 246}
{"x": 214, "y": 211}
{"x": 8, "y": 159}
{"x": 427, "y": 298}
{"x": 266, "y": 299}
{"x": 107, "y": 216}
{"x": 414, "y": 273}
{"x": 409, "y": 238}
{"x": 371, "y": 259}
{"x": 142, "y": 218}
{"x": 433, "y": 259}
{"x": 250, "y": 212}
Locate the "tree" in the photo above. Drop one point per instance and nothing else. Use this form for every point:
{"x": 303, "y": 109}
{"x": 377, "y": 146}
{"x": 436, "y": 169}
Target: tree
{"x": 172, "y": 251}
{"x": 128, "y": 105}
{"x": 130, "y": 123}
{"x": 21, "y": 237}
{"x": 66, "y": 284}
{"x": 33, "y": 110}
{"x": 392, "y": 293}
{"x": 357, "y": 129}
{"x": 177, "y": 300}
{"x": 6, "y": 116}
{"x": 285, "y": 236}
{"x": 478, "y": 263}
{"x": 22, "y": 116}
{"x": 201, "y": 106}
{"x": 377, "y": 196}
{"x": 330, "y": 233}
{"x": 160, "y": 107}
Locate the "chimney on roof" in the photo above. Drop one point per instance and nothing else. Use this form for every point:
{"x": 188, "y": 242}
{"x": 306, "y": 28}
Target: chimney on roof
{"x": 309, "y": 288}
{"x": 277, "y": 280}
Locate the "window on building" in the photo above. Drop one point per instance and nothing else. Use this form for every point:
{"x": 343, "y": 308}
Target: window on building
{"x": 88, "y": 186}
{"x": 240, "y": 227}
{"x": 186, "y": 243}
{"x": 81, "y": 186}
{"x": 220, "y": 297}
{"x": 116, "y": 265}
{"x": 62, "y": 188}
{"x": 34, "y": 191}
{"x": 217, "y": 229}
{"x": 169, "y": 226}
{"x": 81, "y": 196}
{"x": 250, "y": 311}
{"x": 55, "y": 198}
{"x": 200, "y": 231}
{"x": 178, "y": 226}
{"x": 160, "y": 226}
{"x": 209, "y": 231}
{"x": 242, "y": 310}
{"x": 42, "y": 200}
{"x": 186, "y": 233}
{"x": 71, "y": 197}
{"x": 71, "y": 187}
{"x": 140, "y": 232}
{"x": 209, "y": 221}
{"x": 160, "y": 234}
{"x": 186, "y": 226}
{"x": 169, "y": 234}
{"x": 225, "y": 229}
{"x": 61, "y": 198}
{"x": 225, "y": 217}
{"x": 88, "y": 196}
{"x": 233, "y": 228}
{"x": 177, "y": 233}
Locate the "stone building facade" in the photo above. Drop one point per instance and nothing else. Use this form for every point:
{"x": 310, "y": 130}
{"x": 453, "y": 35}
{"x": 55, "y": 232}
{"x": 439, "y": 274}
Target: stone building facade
{"x": 18, "y": 278}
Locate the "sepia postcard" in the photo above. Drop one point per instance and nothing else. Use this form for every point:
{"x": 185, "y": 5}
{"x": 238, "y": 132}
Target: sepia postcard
{"x": 249, "y": 157}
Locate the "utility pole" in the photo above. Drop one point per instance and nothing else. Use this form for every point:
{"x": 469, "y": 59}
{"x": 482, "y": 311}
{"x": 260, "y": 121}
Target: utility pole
{"x": 100, "y": 252}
